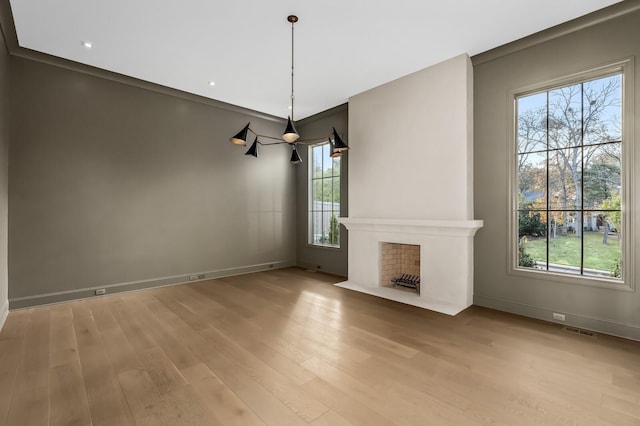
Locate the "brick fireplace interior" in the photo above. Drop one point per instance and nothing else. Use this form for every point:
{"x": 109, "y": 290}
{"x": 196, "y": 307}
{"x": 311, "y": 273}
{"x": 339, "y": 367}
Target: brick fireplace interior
{"x": 397, "y": 260}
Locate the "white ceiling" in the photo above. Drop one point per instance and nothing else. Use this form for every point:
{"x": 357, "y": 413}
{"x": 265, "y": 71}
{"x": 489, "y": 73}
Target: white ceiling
{"x": 342, "y": 47}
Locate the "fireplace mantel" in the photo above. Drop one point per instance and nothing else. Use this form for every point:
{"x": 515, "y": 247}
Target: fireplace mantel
{"x": 462, "y": 228}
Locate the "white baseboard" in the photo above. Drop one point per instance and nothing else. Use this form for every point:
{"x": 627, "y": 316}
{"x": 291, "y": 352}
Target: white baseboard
{"x": 318, "y": 268}
{"x": 600, "y": 325}
{"x": 4, "y": 312}
{"x": 85, "y": 293}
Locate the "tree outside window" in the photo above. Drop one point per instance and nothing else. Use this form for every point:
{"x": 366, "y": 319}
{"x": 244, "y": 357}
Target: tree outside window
{"x": 324, "y": 196}
{"x": 569, "y": 178}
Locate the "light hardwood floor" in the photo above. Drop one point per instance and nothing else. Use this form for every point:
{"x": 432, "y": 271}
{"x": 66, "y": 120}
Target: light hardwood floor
{"x": 286, "y": 347}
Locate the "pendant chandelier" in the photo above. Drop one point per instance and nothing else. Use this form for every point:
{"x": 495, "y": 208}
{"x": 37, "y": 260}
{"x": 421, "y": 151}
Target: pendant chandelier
{"x": 290, "y": 134}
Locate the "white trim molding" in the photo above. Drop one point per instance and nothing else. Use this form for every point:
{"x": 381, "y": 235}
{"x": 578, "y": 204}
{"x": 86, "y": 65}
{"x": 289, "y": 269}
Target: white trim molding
{"x": 626, "y": 68}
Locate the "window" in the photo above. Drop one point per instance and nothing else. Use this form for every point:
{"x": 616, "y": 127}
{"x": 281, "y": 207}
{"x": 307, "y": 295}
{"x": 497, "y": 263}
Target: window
{"x": 569, "y": 179}
{"x": 324, "y": 196}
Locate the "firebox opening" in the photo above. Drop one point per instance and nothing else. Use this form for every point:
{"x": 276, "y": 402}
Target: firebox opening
{"x": 400, "y": 266}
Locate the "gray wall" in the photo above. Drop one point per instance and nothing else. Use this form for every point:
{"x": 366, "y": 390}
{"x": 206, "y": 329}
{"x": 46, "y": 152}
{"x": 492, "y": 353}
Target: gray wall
{"x": 115, "y": 185}
{"x": 322, "y": 258}
{"x": 495, "y": 75}
{"x": 4, "y": 86}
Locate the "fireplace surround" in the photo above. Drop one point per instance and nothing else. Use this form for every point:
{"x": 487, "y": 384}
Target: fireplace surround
{"x": 446, "y": 260}
{"x": 412, "y": 186}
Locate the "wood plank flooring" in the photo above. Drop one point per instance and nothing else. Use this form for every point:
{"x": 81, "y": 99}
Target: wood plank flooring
{"x": 285, "y": 347}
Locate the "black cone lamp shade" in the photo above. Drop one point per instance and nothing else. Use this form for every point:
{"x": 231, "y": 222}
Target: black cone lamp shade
{"x": 253, "y": 150}
{"x": 241, "y": 137}
{"x": 295, "y": 158}
{"x": 290, "y": 133}
{"x": 338, "y": 143}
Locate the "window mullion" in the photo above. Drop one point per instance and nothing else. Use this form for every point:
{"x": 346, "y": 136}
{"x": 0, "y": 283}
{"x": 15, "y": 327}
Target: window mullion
{"x": 548, "y": 200}
{"x": 582, "y": 165}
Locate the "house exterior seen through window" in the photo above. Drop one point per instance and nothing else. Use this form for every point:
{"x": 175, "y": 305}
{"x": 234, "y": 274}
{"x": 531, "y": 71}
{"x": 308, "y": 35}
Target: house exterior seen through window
{"x": 569, "y": 179}
{"x": 324, "y": 196}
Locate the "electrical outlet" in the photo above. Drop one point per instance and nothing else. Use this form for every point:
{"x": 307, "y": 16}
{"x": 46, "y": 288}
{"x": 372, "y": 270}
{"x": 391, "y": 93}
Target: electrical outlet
{"x": 558, "y": 317}
{"x": 201, "y": 276}
{"x": 193, "y": 277}
{"x": 101, "y": 291}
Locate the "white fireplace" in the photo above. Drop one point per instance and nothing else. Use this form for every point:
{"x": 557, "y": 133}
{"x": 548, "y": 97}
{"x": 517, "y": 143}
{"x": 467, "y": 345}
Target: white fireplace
{"x": 411, "y": 182}
{"x": 446, "y": 260}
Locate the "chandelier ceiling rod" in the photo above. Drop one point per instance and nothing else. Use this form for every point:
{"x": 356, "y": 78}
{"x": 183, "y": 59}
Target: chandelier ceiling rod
{"x": 293, "y": 19}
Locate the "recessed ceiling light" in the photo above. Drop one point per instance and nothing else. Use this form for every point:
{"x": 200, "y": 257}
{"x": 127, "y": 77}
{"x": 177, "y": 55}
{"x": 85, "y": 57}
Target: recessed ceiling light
{"x": 212, "y": 83}
{"x": 87, "y": 45}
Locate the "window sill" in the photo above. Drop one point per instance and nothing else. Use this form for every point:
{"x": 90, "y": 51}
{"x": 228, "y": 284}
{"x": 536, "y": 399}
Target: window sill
{"x": 323, "y": 246}
{"x": 600, "y": 282}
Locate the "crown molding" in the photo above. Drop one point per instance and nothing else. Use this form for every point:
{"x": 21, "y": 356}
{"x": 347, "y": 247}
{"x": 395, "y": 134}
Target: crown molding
{"x": 614, "y": 11}
{"x": 324, "y": 114}
{"x": 8, "y": 29}
{"x": 7, "y": 26}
